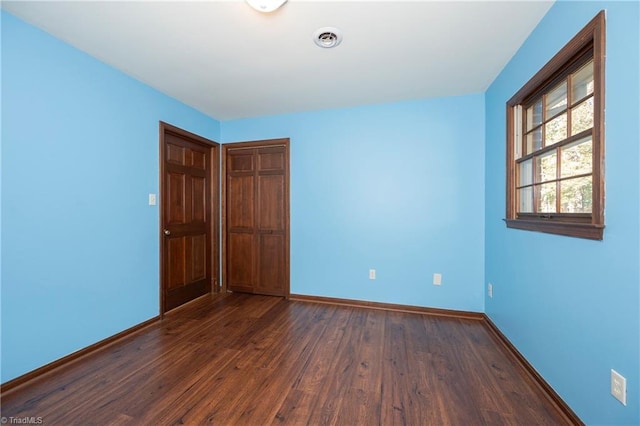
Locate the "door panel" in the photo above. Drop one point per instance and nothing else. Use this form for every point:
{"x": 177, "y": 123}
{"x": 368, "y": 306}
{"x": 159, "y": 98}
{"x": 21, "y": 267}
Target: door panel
{"x": 241, "y": 203}
{"x": 240, "y": 261}
{"x": 271, "y": 265}
{"x": 175, "y": 201}
{"x": 240, "y": 225}
{"x": 175, "y": 265}
{"x": 271, "y": 203}
{"x": 240, "y": 161}
{"x": 199, "y": 160}
{"x": 189, "y": 197}
{"x": 256, "y": 217}
{"x": 198, "y": 255}
{"x": 175, "y": 154}
{"x": 198, "y": 199}
{"x": 271, "y": 159}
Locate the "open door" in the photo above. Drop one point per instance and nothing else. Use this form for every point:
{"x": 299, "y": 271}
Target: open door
{"x": 189, "y": 216}
{"x": 256, "y": 217}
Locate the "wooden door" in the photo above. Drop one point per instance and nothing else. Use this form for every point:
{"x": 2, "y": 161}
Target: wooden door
{"x": 256, "y": 217}
{"x": 189, "y": 216}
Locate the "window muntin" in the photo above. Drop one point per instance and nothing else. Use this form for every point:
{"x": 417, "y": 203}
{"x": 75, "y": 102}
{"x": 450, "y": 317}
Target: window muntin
{"x": 555, "y": 148}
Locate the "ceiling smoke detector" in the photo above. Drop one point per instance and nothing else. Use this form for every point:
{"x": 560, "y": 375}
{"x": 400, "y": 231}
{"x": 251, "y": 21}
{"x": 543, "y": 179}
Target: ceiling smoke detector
{"x": 327, "y": 37}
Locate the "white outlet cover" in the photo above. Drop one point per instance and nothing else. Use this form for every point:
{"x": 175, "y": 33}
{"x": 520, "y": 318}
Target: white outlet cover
{"x": 152, "y": 199}
{"x": 619, "y": 387}
{"x": 437, "y": 279}
{"x": 372, "y": 274}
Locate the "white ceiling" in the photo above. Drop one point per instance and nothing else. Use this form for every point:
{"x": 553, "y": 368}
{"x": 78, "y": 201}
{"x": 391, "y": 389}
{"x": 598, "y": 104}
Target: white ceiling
{"x": 230, "y": 61}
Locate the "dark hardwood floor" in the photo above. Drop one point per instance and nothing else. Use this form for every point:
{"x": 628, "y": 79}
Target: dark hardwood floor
{"x": 257, "y": 360}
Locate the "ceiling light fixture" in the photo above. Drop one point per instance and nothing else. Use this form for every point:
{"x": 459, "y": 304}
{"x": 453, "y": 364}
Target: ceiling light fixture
{"x": 266, "y": 5}
{"x": 327, "y": 37}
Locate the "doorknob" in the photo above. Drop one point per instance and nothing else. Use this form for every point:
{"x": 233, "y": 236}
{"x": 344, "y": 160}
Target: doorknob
{"x": 167, "y": 232}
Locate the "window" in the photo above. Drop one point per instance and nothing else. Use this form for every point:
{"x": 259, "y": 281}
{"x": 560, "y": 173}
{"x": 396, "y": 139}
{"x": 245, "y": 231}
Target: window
{"x": 555, "y": 142}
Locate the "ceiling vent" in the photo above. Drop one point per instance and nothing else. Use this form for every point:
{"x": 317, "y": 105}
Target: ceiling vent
{"x": 327, "y": 37}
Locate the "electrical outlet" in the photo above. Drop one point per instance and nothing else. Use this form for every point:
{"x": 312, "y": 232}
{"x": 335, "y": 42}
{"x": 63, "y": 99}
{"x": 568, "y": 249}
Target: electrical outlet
{"x": 619, "y": 387}
{"x": 437, "y": 279}
{"x": 490, "y": 290}
{"x": 372, "y": 274}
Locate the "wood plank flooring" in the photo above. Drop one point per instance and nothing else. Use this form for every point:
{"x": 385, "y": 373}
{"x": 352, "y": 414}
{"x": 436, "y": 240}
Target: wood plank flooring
{"x": 257, "y": 360}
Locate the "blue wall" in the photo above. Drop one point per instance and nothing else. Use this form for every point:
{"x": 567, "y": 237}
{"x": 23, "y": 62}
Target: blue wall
{"x": 394, "y": 187}
{"x": 79, "y": 157}
{"x": 574, "y": 317}
{"x": 409, "y": 189}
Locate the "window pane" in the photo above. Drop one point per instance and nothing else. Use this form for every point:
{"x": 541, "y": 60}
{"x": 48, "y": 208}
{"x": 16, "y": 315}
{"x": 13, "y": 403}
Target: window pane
{"x": 534, "y": 140}
{"x": 547, "y": 198}
{"x": 546, "y": 167}
{"x": 556, "y": 130}
{"x": 582, "y": 116}
{"x": 526, "y": 173}
{"x": 557, "y": 100}
{"x": 534, "y": 115}
{"x": 582, "y": 82}
{"x": 576, "y": 195}
{"x": 525, "y": 197}
{"x": 576, "y": 158}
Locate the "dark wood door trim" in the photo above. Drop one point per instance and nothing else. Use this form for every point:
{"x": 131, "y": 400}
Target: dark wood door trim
{"x": 268, "y": 143}
{"x": 214, "y": 246}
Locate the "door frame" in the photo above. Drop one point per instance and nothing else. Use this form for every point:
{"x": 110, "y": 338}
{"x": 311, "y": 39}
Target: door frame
{"x": 214, "y": 243}
{"x": 223, "y": 203}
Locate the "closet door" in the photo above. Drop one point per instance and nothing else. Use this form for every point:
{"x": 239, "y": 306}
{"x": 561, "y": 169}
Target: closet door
{"x": 256, "y": 219}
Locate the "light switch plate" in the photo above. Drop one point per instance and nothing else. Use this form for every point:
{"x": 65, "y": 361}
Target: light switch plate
{"x": 152, "y": 199}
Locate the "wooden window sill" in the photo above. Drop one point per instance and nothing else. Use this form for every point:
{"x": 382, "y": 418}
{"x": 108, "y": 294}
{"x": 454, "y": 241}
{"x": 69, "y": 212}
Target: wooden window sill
{"x": 571, "y": 229}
